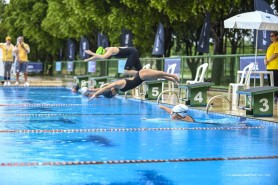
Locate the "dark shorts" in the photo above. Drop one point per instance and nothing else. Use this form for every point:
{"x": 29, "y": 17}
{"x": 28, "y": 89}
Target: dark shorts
{"x": 275, "y": 76}
{"x": 21, "y": 67}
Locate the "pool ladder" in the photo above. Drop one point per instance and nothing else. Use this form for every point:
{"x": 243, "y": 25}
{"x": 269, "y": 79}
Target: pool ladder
{"x": 167, "y": 91}
{"x": 215, "y": 97}
{"x": 208, "y": 104}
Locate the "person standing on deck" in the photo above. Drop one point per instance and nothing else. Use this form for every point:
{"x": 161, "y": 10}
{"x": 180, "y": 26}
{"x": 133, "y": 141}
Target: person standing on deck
{"x": 21, "y": 51}
{"x": 7, "y": 57}
{"x": 271, "y": 59}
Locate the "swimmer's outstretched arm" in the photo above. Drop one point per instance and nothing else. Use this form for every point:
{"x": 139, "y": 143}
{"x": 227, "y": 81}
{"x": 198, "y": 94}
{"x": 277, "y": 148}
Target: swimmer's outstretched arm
{"x": 117, "y": 85}
{"x": 89, "y": 52}
{"x": 167, "y": 109}
{"x": 107, "y": 54}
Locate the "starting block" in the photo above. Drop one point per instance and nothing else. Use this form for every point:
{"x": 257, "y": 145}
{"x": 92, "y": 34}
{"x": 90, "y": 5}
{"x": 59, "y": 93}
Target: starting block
{"x": 259, "y": 101}
{"x": 152, "y": 89}
{"x": 195, "y": 94}
{"x": 97, "y": 82}
{"x": 82, "y": 81}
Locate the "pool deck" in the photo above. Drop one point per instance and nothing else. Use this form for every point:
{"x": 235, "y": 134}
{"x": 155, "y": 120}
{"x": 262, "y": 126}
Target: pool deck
{"x": 219, "y": 105}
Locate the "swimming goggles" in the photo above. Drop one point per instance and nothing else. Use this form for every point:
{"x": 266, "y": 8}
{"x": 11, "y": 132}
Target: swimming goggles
{"x": 178, "y": 113}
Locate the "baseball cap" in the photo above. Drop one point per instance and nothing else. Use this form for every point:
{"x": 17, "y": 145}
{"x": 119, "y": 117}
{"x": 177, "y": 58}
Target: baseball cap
{"x": 8, "y": 38}
{"x": 180, "y": 109}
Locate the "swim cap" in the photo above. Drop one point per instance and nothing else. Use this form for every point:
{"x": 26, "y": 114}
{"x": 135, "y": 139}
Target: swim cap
{"x": 181, "y": 109}
{"x": 8, "y": 38}
{"x": 76, "y": 87}
{"x": 108, "y": 94}
{"x": 83, "y": 90}
{"x": 100, "y": 50}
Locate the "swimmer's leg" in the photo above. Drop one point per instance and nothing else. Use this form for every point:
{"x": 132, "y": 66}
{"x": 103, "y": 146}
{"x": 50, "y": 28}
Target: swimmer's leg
{"x": 149, "y": 74}
{"x": 130, "y": 72}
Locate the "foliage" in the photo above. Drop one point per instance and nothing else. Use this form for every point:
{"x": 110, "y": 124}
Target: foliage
{"x": 46, "y": 24}
{"x": 24, "y": 17}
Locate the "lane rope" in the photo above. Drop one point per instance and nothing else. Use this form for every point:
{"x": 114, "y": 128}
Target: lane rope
{"x": 53, "y": 105}
{"x": 34, "y": 87}
{"x": 126, "y": 129}
{"x": 74, "y": 114}
{"x": 64, "y": 163}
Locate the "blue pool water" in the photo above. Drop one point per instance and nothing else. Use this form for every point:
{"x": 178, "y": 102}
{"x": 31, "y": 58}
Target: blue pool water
{"x": 24, "y": 110}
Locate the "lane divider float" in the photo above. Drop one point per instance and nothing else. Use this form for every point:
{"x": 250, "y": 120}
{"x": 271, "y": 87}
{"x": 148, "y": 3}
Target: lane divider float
{"x": 126, "y": 129}
{"x": 64, "y": 163}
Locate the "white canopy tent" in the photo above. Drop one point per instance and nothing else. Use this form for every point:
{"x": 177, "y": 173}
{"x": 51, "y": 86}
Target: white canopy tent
{"x": 256, "y": 20}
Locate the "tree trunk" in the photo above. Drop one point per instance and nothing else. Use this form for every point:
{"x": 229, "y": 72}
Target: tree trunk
{"x": 218, "y": 63}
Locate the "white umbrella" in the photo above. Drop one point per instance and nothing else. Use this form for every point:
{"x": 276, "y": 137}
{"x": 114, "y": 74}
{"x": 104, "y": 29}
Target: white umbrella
{"x": 256, "y": 20}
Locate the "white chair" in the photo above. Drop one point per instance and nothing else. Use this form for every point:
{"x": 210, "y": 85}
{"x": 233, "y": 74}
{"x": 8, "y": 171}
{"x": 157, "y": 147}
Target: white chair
{"x": 138, "y": 91}
{"x": 200, "y": 74}
{"x": 170, "y": 70}
{"x": 243, "y": 83}
{"x": 171, "y": 85}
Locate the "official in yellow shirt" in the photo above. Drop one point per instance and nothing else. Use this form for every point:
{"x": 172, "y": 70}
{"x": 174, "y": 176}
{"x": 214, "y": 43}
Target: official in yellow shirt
{"x": 21, "y": 50}
{"x": 7, "y": 57}
{"x": 271, "y": 59}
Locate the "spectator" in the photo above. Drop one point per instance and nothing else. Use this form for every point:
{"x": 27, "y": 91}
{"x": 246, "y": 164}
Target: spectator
{"x": 271, "y": 59}
{"x": 21, "y": 51}
{"x": 7, "y": 51}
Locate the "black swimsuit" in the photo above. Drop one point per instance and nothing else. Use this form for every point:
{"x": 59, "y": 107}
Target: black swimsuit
{"x": 131, "y": 84}
{"x": 132, "y": 58}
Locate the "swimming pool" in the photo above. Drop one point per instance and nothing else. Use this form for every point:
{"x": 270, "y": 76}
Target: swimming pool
{"x": 52, "y": 136}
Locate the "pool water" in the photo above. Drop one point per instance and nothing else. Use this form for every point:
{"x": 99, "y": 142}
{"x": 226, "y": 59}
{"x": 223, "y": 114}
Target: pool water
{"x": 54, "y": 136}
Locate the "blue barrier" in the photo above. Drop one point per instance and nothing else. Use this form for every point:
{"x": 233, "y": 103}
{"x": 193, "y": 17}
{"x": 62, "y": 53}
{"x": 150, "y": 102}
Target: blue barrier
{"x": 260, "y": 66}
{"x": 36, "y": 67}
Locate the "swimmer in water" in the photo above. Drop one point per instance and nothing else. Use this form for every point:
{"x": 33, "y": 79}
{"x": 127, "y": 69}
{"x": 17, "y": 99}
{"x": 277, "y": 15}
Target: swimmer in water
{"x": 178, "y": 112}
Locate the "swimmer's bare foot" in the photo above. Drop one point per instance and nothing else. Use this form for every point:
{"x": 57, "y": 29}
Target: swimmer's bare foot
{"x": 177, "y": 79}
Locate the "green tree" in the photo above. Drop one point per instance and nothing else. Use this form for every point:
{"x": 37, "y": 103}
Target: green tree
{"x": 3, "y": 30}
{"x": 24, "y": 17}
{"x": 220, "y": 11}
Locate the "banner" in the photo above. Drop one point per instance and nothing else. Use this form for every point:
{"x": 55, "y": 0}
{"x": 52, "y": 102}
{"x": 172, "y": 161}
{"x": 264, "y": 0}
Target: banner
{"x": 158, "y": 47}
{"x": 245, "y": 61}
{"x": 121, "y": 66}
{"x": 58, "y": 66}
{"x": 126, "y": 38}
{"x": 35, "y": 67}
{"x": 203, "y": 43}
{"x": 169, "y": 62}
{"x": 70, "y": 66}
{"x": 83, "y": 45}
{"x": 263, "y": 36}
{"x": 91, "y": 66}
{"x": 102, "y": 40}
{"x": 70, "y": 50}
